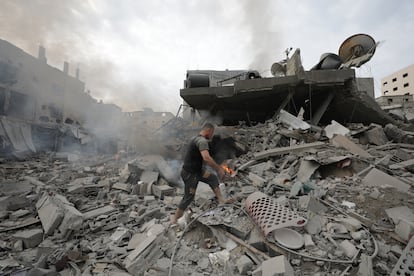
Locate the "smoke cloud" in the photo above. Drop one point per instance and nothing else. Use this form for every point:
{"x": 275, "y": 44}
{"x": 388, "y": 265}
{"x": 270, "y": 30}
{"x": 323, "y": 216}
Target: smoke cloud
{"x": 73, "y": 31}
{"x": 261, "y": 20}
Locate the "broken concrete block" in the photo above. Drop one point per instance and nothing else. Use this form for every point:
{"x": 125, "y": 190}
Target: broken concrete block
{"x": 256, "y": 180}
{"x": 155, "y": 230}
{"x": 122, "y": 187}
{"x": 403, "y": 164}
{"x": 357, "y": 236}
{"x": 348, "y": 248}
{"x": 50, "y": 213}
{"x": 136, "y": 240}
{"x": 72, "y": 220}
{"x": 256, "y": 239}
{"x": 30, "y": 238}
{"x": 309, "y": 244}
{"x": 277, "y": 266}
{"x": 98, "y": 212}
{"x": 378, "y": 178}
{"x": 376, "y": 136}
{"x": 203, "y": 193}
{"x": 405, "y": 229}
{"x": 219, "y": 258}
{"x": 365, "y": 266}
{"x": 314, "y": 225}
{"x": 342, "y": 141}
{"x": 18, "y": 214}
{"x": 244, "y": 264}
{"x": 148, "y": 199}
{"x": 162, "y": 190}
{"x": 138, "y": 250}
{"x": 398, "y": 213}
{"x": 149, "y": 177}
{"x": 291, "y": 121}
{"x": 120, "y": 234}
{"x": 351, "y": 224}
{"x": 335, "y": 128}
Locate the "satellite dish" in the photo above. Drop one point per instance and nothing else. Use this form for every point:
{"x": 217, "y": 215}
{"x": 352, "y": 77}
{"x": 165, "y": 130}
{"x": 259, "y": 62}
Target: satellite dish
{"x": 278, "y": 69}
{"x": 357, "y": 50}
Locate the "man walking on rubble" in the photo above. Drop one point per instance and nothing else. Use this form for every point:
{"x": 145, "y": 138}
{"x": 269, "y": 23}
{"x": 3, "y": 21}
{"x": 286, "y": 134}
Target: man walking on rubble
{"x": 193, "y": 171}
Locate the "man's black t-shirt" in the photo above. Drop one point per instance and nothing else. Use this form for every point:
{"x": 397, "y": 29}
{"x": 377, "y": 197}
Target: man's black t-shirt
{"x": 193, "y": 161}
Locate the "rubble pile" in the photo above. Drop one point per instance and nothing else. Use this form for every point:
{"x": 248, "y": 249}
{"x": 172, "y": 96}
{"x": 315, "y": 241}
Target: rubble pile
{"x": 336, "y": 200}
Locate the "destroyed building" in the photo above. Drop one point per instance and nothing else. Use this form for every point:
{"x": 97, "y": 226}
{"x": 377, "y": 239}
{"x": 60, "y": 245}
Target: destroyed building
{"x": 313, "y": 198}
{"x": 44, "y": 108}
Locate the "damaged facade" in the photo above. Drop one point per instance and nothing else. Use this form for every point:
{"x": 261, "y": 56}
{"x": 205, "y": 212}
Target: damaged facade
{"x": 44, "y": 108}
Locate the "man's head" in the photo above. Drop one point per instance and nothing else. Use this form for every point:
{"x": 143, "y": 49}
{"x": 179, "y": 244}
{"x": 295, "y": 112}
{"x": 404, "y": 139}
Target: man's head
{"x": 207, "y": 131}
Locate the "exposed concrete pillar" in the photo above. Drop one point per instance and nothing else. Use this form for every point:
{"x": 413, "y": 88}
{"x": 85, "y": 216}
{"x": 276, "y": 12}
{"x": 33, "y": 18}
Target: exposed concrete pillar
{"x": 322, "y": 108}
{"x": 66, "y": 67}
{"x": 42, "y": 54}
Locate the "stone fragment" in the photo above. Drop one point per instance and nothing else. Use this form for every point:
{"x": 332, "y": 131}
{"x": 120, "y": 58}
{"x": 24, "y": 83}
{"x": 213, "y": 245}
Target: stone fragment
{"x": 120, "y": 234}
{"x": 365, "y": 266}
{"x": 309, "y": 244}
{"x": 314, "y": 225}
{"x": 257, "y": 181}
{"x": 335, "y": 128}
{"x": 405, "y": 229}
{"x": 351, "y": 224}
{"x": 277, "y": 266}
{"x": 50, "y": 213}
{"x": 376, "y": 136}
{"x": 244, "y": 264}
{"x": 348, "y": 248}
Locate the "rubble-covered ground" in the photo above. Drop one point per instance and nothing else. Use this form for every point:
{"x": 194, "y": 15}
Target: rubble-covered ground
{"x": 310, "y": 201}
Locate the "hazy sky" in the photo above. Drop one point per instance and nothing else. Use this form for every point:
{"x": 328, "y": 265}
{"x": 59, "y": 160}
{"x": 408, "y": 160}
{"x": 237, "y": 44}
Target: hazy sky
{"x": 135, "y": 53}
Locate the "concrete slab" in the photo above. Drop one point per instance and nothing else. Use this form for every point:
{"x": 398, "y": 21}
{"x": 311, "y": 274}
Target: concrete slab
{"x": 284, "y": 150}
{"x": 335, "y": 128}
{"x": 398, "y": 213}
{"x": 402, "y": 165}
{"x": 50, "y": 214}
{"x": 378, "y": 178}
{"x": 344, "y": 142}
{"x": 99, "y": 211}
{"x": 291, "y": 121}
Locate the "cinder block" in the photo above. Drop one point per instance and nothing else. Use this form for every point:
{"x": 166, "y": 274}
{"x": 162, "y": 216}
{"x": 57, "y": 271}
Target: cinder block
{"x": 30, "y": 238}
{"x": 162, "y": 190}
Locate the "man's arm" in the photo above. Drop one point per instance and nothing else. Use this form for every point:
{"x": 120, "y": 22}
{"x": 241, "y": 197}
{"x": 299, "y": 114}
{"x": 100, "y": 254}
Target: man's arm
{"x": 209, "y": 160}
